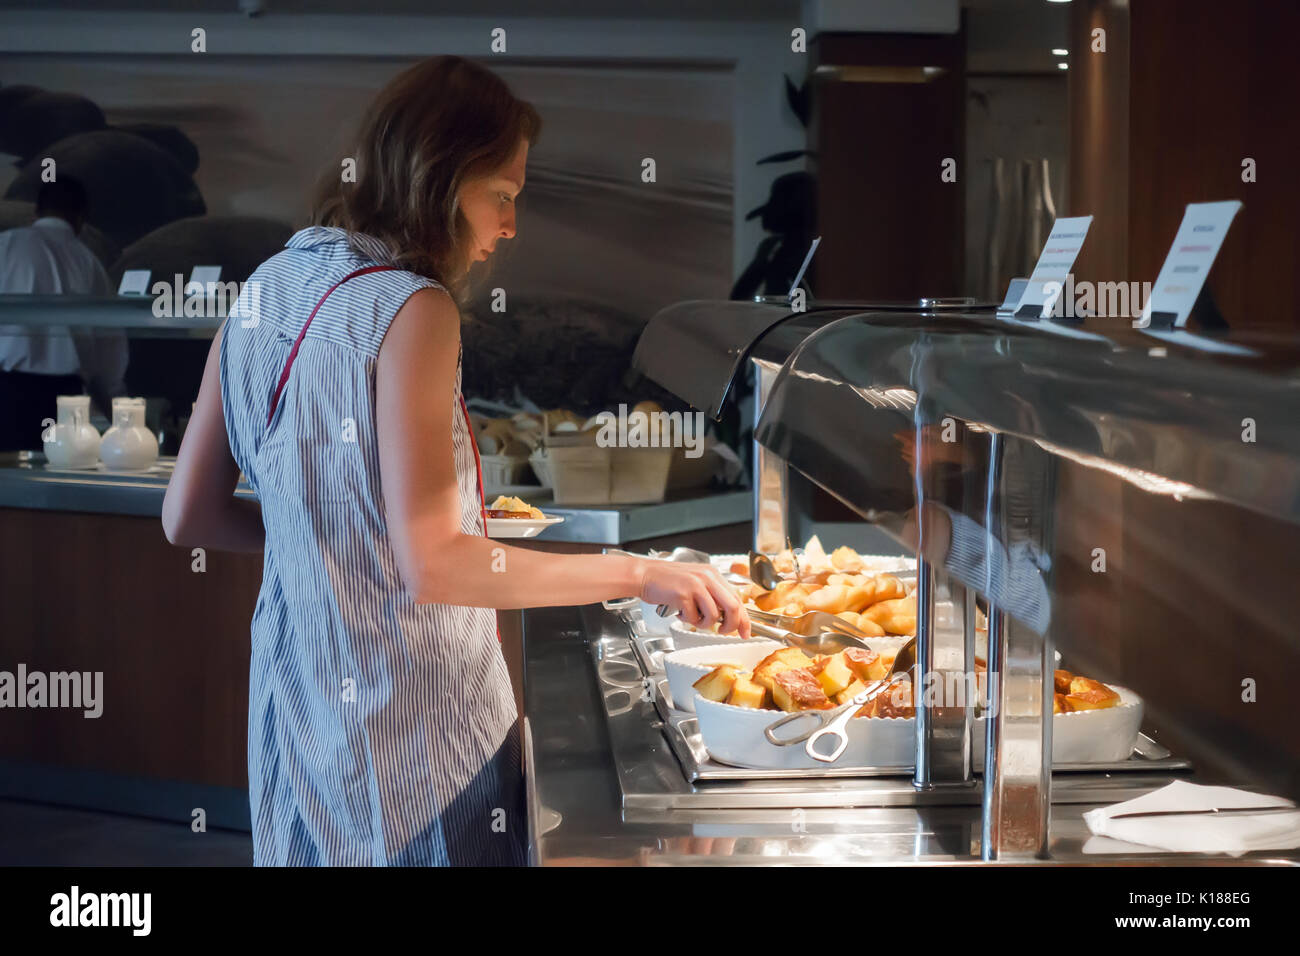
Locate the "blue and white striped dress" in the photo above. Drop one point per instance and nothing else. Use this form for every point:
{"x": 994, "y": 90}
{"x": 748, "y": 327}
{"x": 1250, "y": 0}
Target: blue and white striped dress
{"x": 380, "y": 732}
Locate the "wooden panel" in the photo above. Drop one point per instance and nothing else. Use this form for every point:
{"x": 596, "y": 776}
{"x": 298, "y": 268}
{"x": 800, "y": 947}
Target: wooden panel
{"x": 1185, "y": 92}
{"x": 890, "y": 228}
{"x": 1099, "y": 139}
{"x": 1212, "y": 86}
{"x": 1210, "y": 600}
{"x": 108, "y": 593}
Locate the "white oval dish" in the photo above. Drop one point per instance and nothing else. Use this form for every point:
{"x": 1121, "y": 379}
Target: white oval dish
{"x": 686, "y": 665}
{"x": 655, "y": 622}
{"x": 734, "y": 735}
{"x": 686, "y": 636}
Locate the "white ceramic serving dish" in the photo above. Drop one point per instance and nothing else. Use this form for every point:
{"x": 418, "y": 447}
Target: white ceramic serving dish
{"x": 734, "y": 735}
{"x": 519, "y": 527}
{"x": 654, "y": 622}
{"x": 872, "y": 563}
{"x": 685, "y": 666}
{"x": 685, "y": 635}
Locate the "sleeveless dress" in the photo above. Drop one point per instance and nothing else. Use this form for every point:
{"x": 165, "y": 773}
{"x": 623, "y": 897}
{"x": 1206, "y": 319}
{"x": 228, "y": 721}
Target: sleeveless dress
{"x": 380, "y": 732}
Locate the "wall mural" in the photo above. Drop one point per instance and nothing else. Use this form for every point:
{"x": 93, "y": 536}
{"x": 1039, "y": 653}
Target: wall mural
{"x": 193, "y": 161}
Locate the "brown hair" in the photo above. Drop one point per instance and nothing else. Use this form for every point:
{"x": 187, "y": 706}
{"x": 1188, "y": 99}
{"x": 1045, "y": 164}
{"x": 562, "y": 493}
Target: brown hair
{"x": 433, "y": 126}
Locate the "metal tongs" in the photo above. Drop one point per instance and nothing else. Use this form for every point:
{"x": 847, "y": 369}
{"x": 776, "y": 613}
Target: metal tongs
{"x": 811, "y": 625}
{"x": 833, "y": 722}
{"x": 687, "y": 555}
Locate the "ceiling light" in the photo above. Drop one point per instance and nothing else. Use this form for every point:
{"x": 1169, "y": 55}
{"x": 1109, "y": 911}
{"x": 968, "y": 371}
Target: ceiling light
{"x": 1060, "y": 51}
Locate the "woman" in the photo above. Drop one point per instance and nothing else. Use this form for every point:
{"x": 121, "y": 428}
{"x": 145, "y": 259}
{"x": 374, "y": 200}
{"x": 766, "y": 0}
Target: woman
{"x": 382, "y": 726}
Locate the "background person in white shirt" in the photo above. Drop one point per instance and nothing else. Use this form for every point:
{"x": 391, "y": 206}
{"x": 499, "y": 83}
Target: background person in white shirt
{"x": 39, "y": 363}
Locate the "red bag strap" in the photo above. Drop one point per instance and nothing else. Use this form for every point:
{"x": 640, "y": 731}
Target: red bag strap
{"x": 478, "y": 464}
{"x": 293, "y": 353}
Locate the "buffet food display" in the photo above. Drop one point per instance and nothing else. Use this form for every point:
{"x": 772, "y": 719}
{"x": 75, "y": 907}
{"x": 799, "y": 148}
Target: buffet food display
{"x": 736, "y": 688}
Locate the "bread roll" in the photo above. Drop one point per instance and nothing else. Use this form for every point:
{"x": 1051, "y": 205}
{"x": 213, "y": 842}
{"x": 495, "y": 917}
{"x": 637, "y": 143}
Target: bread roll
{"x": 832, "y": 599}
{"x": 846, "y": 559}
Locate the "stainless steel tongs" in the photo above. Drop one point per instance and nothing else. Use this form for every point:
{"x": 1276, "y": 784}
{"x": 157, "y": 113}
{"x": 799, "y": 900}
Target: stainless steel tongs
{"x": 833, "y": 722}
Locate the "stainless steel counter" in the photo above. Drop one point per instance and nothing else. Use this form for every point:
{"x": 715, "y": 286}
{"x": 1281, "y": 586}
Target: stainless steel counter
{"x": 31, "y": 485}
{"x": 133, "y": 313}
{"x": 578, "y": 815}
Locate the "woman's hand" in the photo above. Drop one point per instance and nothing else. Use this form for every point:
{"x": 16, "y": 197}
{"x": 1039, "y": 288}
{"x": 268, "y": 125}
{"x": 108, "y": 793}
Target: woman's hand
{"x": 697, "y": 592}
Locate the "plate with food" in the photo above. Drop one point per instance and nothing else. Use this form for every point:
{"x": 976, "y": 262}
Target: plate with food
{"x": 510, "y": 517}
{"x": 747, "y": 690}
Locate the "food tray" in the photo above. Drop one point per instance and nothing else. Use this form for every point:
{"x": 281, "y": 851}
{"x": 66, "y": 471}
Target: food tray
{"x": 681, "y": 728}
{"x": 682, "y": 731}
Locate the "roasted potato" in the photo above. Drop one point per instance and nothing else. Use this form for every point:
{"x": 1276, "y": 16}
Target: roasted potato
{"x": 716, "y": 684}
{"x": 745, "y": 693}
{"x": 795, "y": 688}
{"x": 833, "y": 674}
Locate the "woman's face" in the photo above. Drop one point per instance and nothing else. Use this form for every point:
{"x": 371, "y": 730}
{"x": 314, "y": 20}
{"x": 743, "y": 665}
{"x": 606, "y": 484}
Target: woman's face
{"x": 488, "y": 204}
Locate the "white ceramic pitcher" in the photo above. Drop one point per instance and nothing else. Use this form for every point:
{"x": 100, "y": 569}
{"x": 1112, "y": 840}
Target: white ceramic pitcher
{"x": 72, "y": 442}
{"x": 128, "y": 445}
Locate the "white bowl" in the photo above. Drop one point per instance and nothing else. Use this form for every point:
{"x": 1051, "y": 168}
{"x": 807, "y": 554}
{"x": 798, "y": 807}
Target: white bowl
{"x": 653, "y": 621}
{"x": 686, "y": 635}
{"x": 684, "y": 667}
{"x": 1098, "y": 736}
{"x": 734, "y": 735}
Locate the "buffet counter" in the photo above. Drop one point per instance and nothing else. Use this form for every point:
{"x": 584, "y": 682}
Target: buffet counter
{"x": 89, "y": 582}
{"x": 588, "y": 808}
{"x": 26, "y": 483}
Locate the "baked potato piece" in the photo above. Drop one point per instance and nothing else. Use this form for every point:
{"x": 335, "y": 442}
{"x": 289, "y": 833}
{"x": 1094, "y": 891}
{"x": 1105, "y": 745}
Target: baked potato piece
{"x": 795, "y": 688}
{"x": 779, "y": 660}
{"x": 1088, "y": 694}
{"x": 1060, "y": 704}
{"x": 833, "y": 673}
{"x": 716, "y": 684}
{"x": 894, "y": 702}
{"x": 745, "y": 693}
{"x": 865, "y": 664}
{"x": 1062, "y": 681}
{"x": 848, "y": 693}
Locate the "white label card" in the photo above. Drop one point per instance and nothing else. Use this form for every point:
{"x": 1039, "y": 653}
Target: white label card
{"x": 204, "y": 277}
{"x": 1054, "y": 264}
{"x": 134, "y": 282}
{"x": 1196, "y": 244}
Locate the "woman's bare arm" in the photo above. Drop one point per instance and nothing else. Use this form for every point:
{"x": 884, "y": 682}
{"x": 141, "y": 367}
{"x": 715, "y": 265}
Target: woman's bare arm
{"x": 415, "y": 402}
{"x": 200, "y": 508}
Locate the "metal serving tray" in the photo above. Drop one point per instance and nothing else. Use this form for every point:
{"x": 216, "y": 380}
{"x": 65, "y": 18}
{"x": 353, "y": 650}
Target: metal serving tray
{"x": 683, "y": 733}
{"x": 681, "y": 729}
